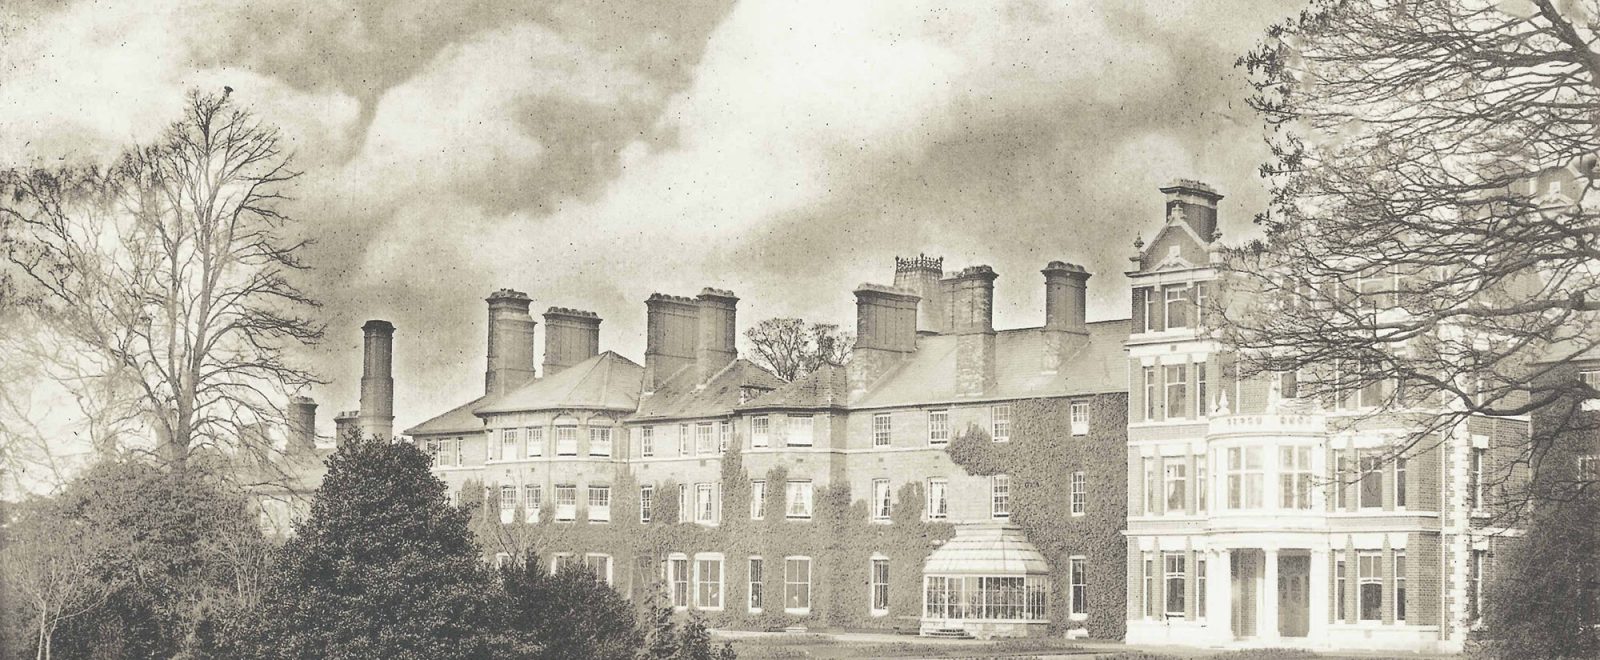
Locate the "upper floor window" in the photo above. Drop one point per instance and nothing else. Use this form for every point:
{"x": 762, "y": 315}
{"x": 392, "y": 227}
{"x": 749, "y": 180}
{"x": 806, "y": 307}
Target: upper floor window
{"x": 704, "y": 441}
{"x": 800, "y": 429}
{"x": 881, "y": 499}
{"x": 535, "y": 441}
{"x": 647, "y": 441}
{"x": 1152, "y": 310}
{"x": 599, "y": 504}
{"x": 880, "y": 430}
{"x": 1589, "y": 468}
{"x": 1177, "y": 299}
{"x": 1294, "y": 477}
{"x": 1177, "y": 391}
{"x": 647, "y": 502}
{"x": 599, "y": 441}
{"x": 938, "y": 499}
{"x": 1475, "y": 478}
{"x": 1000, "y": 422}
{"x": 938, "y": 427}
{"x": 1079, "y": 494}
{"x": 1176, "y": 477}
{"x": 705, "y": 504}
{"x": 799, "y": 500}
{"x": 758, "y": 499}
{"x": 1000, "y": 496}
{"x": 566, "y": 441}
{"x": 1246, "y": 480}
{"x": 685, "y": 446}
{"x": 1080, "y": 418}
{"x": 435, "y": 451}
{"x": 724, "y": 435}
{"x": 1370, "y": 488}
{"x": 758, "y": 431}
{"x": 509, "y": 448}
{"x": 1150, "y": 394}
{"x": 566, "y": 503}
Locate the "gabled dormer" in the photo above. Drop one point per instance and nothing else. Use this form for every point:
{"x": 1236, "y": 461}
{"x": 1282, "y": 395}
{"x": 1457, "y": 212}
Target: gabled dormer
{"x": 1170, "y": 275}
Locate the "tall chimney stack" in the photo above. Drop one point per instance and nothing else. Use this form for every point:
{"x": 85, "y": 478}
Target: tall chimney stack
{"x": 921, "y": 275}
{"x": 511, "y": 342}
{"x": 302, "y": 424}
{"x": 1194, "y": 203}
{"x": 1065, "y": 297}
{"x": 974, "y": 328}
{"x": 671, "y": 333}
{"x": 377, "y": 380}
{"x": 714, "y": 347}
{"x": 886, "y": 332}
{"x": 570, "y": 336}
{"x": 345, "y": 424}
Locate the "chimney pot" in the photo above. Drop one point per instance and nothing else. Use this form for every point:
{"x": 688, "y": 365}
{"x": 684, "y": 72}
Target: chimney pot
{"x": 1065, "y": 296}
{"x": 570, "y": 336}
{"x": 511, "y": 341}
{"x": 921, "y": 275}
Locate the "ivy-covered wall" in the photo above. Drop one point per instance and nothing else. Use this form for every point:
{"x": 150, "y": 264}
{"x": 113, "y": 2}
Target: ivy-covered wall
{"x": 841, "y": 539}
{"x": 1040, "y": 459}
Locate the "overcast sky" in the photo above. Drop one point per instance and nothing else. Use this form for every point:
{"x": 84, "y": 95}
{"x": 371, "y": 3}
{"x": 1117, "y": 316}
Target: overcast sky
{"x": 591, "y": 153}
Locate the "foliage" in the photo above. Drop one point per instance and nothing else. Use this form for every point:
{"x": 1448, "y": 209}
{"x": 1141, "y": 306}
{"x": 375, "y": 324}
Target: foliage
{"x": 567, "y": 614}
{"x": 1543, "y": 599}
{"x": 668, "y": 639}
{"x": 791, "y": 348}
{"x": 1432, "y": 230}
{"x": 167, "y": 552}
{"x": 384, "y": 567}
{"x": 1040, "y": 458}
{"x": 167, "y": 275}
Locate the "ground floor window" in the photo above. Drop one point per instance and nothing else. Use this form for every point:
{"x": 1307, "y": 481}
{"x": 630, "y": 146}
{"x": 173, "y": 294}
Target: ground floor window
{"x": 797, "y": 585}
{"x": 1475, "y": 585}
{"x": 1149, "y": 595}
{"x": 1078, "y": 599}
{"x": 1200, "y": 587}
{"x": 600, "y": 565}
{"x": 1400, "y": 586}
{"x": 981, "y": 597}
{"x": 678, "y": 577}
{"x": 708, "y": 582}
{"x": 756, "y": 566}
{"x": 880, "y": 585}
{"x": 1369, "y": 590}
{"x": 1176, "y": 577}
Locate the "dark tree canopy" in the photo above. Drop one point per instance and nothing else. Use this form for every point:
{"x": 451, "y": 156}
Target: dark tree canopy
{"x": 569, "y": 614}
{"x": 1544, "y": 600}
{"x": 791, "y": 348}
{"x": 1432, "y": 241}
{"x": 384, "y": 567}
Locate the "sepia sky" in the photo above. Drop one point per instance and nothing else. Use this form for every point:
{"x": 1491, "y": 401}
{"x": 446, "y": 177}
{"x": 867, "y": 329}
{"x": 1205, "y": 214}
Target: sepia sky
{"x": 591, "y": 153}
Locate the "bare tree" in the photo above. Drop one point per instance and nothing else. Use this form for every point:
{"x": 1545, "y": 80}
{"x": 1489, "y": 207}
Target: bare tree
{"x": 791, "y": 348}
{"x": 1432, "y": 241}
{"x": 49, "y": 564}
{"x": 170, "y": 272}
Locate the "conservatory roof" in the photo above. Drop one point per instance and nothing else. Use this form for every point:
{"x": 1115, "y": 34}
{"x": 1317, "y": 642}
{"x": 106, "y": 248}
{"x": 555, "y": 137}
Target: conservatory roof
{"x": 986, "y": 549}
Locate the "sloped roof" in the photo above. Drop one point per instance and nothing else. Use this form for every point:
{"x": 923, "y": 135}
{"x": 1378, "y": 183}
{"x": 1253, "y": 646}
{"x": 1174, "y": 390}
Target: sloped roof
{"x": 683, "y": 397}
{"x": 986, "y": 549}
{"x": 827, "y": 387}
{"x": 604, "y": 382}
{"x": 1097, "y": 365}
{"x": 457, "y": 420}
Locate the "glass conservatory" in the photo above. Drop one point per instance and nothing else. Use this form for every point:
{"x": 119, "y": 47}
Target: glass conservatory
{"x": 988, "y": 581}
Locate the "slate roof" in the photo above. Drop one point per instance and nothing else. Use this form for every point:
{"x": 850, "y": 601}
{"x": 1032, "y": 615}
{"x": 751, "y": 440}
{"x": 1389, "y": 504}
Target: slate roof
{"x": 604, "y": 382}
{"x": 929, "y": 376}
{"x": 827, "y": 387}
{"x": 683, "y": 397}
{"x": 458, "y": 420}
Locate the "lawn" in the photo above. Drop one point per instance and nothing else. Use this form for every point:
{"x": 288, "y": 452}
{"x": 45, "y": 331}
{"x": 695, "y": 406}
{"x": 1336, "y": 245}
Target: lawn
{"x": 827, "y": 647}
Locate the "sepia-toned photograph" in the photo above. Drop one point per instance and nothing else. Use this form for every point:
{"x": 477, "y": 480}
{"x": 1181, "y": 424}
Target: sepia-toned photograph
{"x": 762, "y": 329}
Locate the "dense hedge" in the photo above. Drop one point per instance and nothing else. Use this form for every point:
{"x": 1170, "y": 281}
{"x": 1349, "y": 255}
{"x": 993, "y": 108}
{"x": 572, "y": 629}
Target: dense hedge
{"x": 841, "y": 539}
{"x": 1040, "y": 459}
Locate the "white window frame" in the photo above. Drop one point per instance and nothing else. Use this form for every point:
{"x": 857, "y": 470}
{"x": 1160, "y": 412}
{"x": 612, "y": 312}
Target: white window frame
{"x": 938, "y": 498}
{"x": 647, "y": 503}
{"x": 701, "y": 582}
{"x": 758, "y": 499}
{"x": 1077, "y": 588}
{"x": 600, "y": 441}
{"x": 685, "y": 514}
{"x": 724, "y": 435}
{"x": 607, "y": 564}
{"x": 939, "y": 427}
{"x": 1080, "y": 417}
{"x": 801, "y": 430}
{"x": 599, "y": 504}
{"x": 755, "y": 595}
{"x": 1151, "y": 392}
{"x": 510, "y": 444}
{"x": 1176, "y": 385}
{"x": 1000, "y": 422}
{"x": 1151, "y": 304}
{"x": 882, "y": 430}
{"x": 1174, "y": 483}
{"x": 500, "y": 559}
{"x": 1079, "y": 496}
{"x": 1363, "y": 577}
{"x": 1175, "y": 295}
{"x": 796, "y": 584}
{"x": 760, "y": 431}
{"x": 705, "y": 439}
{"x": 882, "y": 500}
{"x": 534, "y": 499}
{"x": 508, "y": 502}
{"x": 535, "y": 441}
{"x": 875, "y": 587}
{"x": 647, "y": 441}
{"x": 1168, "y": 577}
{"x": 1243, "y": 476}
{"x": 567, "y": 440}
{"x": 1399, "y": 606}
{"x": 1000, "y": 497}
{"x": 805, "y": 492}
{"x": 1295, "y": 478}
{"x": 705, "y": 503}
{"x": 678, "y": 573}
{"x": 685, "y": 442}
{"x": 566, "y": 512}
